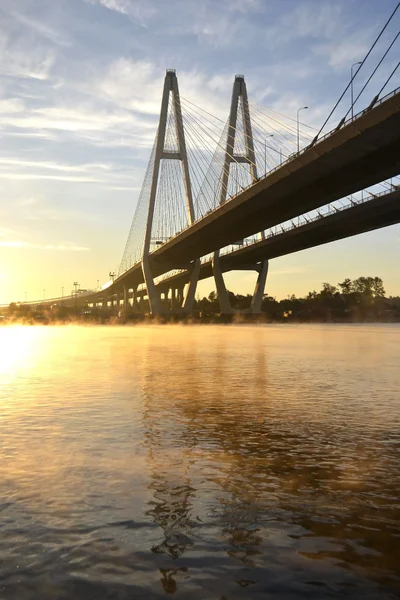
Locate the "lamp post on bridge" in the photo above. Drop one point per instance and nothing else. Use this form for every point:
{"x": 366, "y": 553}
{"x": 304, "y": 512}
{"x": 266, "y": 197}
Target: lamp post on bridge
{"x": 298, "y": 127}
{"x": 351, "y": 87}
{"x": 265, "y": 151}
{"x": 76, "y": 284}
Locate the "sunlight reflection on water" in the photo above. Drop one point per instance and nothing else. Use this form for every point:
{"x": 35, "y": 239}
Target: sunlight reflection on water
{"x": 215, "y": 461}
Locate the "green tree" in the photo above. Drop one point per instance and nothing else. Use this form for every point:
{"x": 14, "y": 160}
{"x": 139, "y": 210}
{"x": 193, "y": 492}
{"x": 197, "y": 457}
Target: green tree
{"x": 328, "y": 290}
{"x": 346, "y": 286}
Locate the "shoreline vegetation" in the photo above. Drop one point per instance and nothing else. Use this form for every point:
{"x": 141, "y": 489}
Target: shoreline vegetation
{"x": 361, "y": 300}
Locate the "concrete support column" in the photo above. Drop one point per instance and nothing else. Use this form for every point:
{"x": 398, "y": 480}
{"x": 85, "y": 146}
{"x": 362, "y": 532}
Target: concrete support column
{"x": 256, "y": 302}
{"x": 180, "y": 296}
{"x": 126, "y": 301}
{"x": 174, "y": 300}
{"x": 222, "y": 292}
{"x": 134, "y": 300}
{"x": 191, "y": 288}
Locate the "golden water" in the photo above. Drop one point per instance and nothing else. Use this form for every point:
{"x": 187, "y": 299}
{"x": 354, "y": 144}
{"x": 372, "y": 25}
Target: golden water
{"x": 209, "y": 462}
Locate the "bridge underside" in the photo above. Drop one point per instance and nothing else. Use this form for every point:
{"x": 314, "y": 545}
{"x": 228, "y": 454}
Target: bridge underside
{"x": 381, "y": 211}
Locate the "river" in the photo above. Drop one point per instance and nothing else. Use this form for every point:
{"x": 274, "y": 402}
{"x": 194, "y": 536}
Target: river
{"x": 203, "y": 462}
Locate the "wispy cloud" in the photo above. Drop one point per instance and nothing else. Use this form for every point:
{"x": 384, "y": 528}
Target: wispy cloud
{"x": 55, "y": 36}
{"x": 37, "y": 176}
{"x": 55, "y": 166}
{"x": 21, "y": 59}
{"x": 134, "y": 9}
{"x": 20, "y": 244}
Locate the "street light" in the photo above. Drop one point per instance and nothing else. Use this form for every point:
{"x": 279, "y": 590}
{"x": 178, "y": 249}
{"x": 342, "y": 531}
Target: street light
{"x": 265, "y": 150}
{"x": 98, "y": 281}
{"x": 298, "y": 128}
{"x": 76, "y": 284}
{"x": 112, "y": 275}
{"x": 351, "y": 87}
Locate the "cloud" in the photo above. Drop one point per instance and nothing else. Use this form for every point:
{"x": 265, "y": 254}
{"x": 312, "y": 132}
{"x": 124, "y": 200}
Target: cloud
{"x": 67, "y": 178}
{"x": 136, "y": 10}
{"x": 5, "y": 231}
{"x": 55, "y": 36}
{"x": 65, "y": 247}
{"x": 20, "y": 58}
{"x": 11, "y": 105}
{"x": 343, "y": 53}
{"x": 54, "y": 166}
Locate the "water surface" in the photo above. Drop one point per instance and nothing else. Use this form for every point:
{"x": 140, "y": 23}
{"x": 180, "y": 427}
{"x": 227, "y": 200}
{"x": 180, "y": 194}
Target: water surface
{"x": 203, "y": 462}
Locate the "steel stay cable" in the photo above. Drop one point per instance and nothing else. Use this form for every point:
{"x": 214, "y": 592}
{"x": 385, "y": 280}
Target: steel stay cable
{"x": 288, "y": 128}
{"x": 230, "y": 156}
{"x": 372, "y": 74}
{"x": 357, "y": 71}
{"x": 255, "y": 119}
{"x": 232, "y": 127}
{"x": 241, "y": 132}
{"x": 304, "y": 137}
{"x": 222, "y": 163}
{"x": 389, "y": 78}
{"x": 261, "y": 106}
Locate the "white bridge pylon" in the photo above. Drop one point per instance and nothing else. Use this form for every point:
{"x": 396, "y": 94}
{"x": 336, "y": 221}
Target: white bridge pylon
{"x": 239, "y": 111}
{"x": 162, "y": 153}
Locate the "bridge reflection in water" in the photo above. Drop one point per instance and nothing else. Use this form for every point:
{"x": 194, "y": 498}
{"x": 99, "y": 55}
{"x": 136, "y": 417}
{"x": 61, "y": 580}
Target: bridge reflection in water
{"x": 270, "y": 471}
{"x": 203, "y": 461}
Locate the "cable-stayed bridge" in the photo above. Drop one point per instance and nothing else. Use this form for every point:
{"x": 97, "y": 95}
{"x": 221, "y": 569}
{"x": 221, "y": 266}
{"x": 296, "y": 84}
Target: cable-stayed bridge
{"x": 219, "y": 196}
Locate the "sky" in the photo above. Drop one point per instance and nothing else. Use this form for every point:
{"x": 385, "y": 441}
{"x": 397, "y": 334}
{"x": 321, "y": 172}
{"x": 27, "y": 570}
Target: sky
{"x": 80, "y": 92}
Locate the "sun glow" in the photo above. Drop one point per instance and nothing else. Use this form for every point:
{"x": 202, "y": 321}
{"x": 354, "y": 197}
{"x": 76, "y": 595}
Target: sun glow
{"x": 18, "y": 347}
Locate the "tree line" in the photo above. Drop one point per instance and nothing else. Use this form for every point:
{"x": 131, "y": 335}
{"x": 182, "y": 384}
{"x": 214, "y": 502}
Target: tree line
{"x": 358, "y": 299}
{"x": 362, "y": 299}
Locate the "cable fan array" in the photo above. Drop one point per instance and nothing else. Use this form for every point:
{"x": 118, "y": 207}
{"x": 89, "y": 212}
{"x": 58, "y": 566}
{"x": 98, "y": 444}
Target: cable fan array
{"x": 216, "y": 175}
{"x": 273, "y": 138}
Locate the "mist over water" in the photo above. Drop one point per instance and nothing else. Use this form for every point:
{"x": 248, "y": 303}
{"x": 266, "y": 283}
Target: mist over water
{"x": 203, "y": 462}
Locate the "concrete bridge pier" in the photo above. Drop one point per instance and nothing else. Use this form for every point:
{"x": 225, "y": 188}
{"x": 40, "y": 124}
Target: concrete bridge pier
{"x": 126, "y": 306}
{"x": 222, "y": 292}
{"x": 256, "y": 302}
{"x": 180, "y": 296}
{"x": 174, "y": 300}
{"x": 134, "y": 300}
{"x": 188, "y": 296}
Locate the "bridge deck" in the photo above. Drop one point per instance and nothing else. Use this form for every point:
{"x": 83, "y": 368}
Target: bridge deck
{"x": 382, "y": 211}
{"x": 361, "y": 153}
